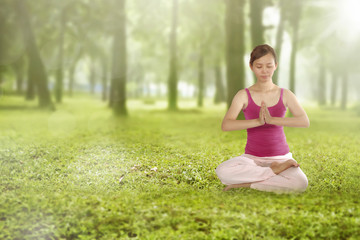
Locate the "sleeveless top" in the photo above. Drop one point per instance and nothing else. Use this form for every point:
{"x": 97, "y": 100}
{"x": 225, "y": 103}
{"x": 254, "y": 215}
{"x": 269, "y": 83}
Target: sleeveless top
{"x": 266, "y": 140}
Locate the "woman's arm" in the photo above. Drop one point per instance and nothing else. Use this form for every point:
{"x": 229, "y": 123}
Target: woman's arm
{"x": 299, "y": 119}
{"x": 238, "y": 103}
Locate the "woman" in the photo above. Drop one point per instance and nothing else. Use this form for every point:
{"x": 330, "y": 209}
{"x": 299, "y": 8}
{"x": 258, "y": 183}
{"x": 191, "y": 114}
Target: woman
{"x": 267, "y": 164}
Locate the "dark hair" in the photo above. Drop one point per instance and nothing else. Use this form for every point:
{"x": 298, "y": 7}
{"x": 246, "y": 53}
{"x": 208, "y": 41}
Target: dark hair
{"x": 260, "y": 51}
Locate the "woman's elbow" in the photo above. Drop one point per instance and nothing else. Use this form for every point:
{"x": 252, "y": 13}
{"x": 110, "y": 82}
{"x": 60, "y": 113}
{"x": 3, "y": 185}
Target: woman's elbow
{"x": 307, "y": 123}
{"x": 224, "y": 126}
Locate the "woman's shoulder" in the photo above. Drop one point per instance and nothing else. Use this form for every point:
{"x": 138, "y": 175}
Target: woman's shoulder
{"x": 242, "y": 94}
{"x": 241, "y": 97}
{"x": 287, "y": 92}
{"x": 288, "y": 96}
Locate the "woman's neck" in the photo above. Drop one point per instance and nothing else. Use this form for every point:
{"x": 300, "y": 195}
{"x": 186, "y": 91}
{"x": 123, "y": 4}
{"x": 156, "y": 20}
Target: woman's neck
{"x": 264, "y": 86}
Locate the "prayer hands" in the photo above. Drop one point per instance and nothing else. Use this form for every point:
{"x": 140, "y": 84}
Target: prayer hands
{"x": 264, "y": 115}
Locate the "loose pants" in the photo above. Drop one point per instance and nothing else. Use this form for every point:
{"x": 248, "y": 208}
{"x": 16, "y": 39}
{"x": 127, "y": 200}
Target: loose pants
{"x": 256, "y": 170}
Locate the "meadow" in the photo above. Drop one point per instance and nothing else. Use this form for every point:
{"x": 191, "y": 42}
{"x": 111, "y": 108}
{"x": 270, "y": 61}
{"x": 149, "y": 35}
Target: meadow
{"x": 81, "y": 173}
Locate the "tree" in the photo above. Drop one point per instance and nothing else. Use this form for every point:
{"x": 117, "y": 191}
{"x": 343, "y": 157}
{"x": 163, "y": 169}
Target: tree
{"x": 201, "y": 80}
{"x": 72, "y": 72}
{"x": 322, "y": 84}
{"x": 59, "y": 71}
{"x": 149, "y": 35}
{"x": 333, "y": 87}
{"x": 92, "y": 76}
{"x": 279, "y": 37}
{"x": 173, "y": 77}
{"x": 257, "y": 28}
{"x": 2, "y": 48}
{"x": 344, "y": 90}
{"x": 104, "y": 78}
{"x": 234, "y": 25}
{"x": 37, "y": 72}
{"x": 315, "y": 20}
{"x": 119, "y": 66}
{"x": 19, "y": 69}
{"x": 294, "y": 21}
{"x": 200, "y": 42}
{"x": 30, "y": 86}
{"x": 219, "y": 88}
{"x": 6, "y": 37}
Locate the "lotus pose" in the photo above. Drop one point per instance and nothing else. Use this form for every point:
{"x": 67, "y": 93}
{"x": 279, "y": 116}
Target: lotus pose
{"x": 267, "y": 164}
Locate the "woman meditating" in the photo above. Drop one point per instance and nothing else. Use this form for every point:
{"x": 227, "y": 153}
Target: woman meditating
{"x": 267, "y": 164}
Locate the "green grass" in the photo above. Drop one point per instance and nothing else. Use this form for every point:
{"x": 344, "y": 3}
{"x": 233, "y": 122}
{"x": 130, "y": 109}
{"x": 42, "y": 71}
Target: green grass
{"x": 60, "y": 173}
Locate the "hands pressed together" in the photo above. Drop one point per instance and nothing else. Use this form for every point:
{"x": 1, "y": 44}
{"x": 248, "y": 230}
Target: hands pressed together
{"x": 264, "y": 114}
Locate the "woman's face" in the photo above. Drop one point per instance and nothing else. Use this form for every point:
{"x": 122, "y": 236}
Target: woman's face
{"x": 264, "y": 68}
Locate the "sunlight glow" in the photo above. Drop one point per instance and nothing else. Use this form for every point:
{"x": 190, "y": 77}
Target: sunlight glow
{"x": 349, "y": 9}
{"x": 349, "y": 17}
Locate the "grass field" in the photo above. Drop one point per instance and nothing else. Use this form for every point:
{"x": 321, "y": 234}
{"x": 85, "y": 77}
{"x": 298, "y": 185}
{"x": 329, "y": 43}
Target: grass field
{"x": 80, "y": 173}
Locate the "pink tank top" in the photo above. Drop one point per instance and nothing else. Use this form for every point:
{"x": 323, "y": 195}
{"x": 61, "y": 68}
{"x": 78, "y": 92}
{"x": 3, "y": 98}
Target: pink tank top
{"x": 266, "y": 140}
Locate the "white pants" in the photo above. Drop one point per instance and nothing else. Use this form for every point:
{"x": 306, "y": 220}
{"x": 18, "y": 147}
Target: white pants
{"x": 256, "y": 170}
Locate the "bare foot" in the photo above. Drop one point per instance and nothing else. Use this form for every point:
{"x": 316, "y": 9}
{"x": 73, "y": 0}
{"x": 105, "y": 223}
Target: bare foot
{"x": 280, "y": 167}
{"x": 228, "y": 187}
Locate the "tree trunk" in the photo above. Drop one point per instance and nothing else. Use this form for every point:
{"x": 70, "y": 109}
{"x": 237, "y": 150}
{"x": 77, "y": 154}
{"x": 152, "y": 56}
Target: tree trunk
{"x": 279, "y": 38}
{"x": 219, "y": 88}
{"x": 112, "y": 84}
{"x": 295, "y": 26}
{"x": 257, "y": 28}
{"x": 104, "y": 79}
{"x": 173, "y": 76}
{"x": 92, "y": 77}
{"x": 37, "y": 72}
{"x": 344, "y": 91}
{"x": 72, "y": 73}
{"x": 71, "y": 79}
{"x": 201, "y": 80}
{"x": 234, "y": 23}
{"x": 30, "y": 87}
{"x": 138, "y": 83}
{"x": 322, "y": 85}
{"x": 292, "y": 64}
{"x": 2, "y": 50}
{"x": 333, "y": 88}
{"x": 59, "y": 71}
{"x": 2, "y": 73}
{"x": 119, "y": 65}
{"x": 19, "y": 69}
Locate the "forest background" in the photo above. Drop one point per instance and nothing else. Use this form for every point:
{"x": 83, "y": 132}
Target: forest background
{"x": 110, "y": 116}
{"x": 186, "y": 49}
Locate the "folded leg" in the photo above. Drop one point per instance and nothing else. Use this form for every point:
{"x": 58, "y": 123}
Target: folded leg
{"x": 256, "y": 171}
{"x": 242, "y": 170}
{"x": 291, "y": 180}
